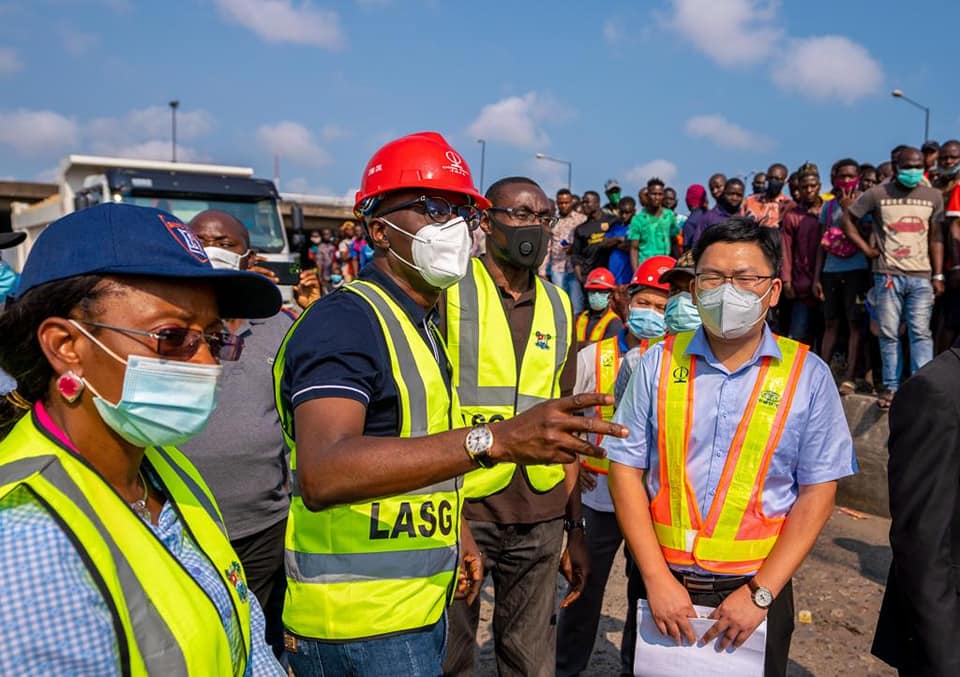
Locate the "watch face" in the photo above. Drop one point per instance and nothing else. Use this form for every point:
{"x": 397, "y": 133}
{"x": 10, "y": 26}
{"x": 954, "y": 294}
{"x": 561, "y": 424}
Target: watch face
{"x": 479, "y": 440}
{"x": 763, "y": 597}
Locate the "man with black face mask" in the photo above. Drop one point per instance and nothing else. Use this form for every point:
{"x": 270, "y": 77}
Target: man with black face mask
{"x": 767, "y": 208}
{"x": 511, "y": 344}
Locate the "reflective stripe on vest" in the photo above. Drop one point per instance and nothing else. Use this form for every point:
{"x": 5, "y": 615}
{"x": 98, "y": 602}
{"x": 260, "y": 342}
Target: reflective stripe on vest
{"x": 485, "y": 366}
{"x": 606, "y": 365}
{"x": 736, "y": 537}
{"x": 599, "y": 329}
{"x": 389, "y": 565}
{"x": 164, "y": 622}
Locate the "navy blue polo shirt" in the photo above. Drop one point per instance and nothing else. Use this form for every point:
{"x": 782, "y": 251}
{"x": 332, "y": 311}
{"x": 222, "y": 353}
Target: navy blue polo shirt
{"x": 338, "y": 350}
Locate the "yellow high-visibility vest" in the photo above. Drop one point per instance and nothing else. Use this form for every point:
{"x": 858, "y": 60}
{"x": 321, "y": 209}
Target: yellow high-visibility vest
{"x": 165, "y": 623}
{"x": 387, "y": 565}
{"x": 485, "y": 366}
{"x": 736, "y": 536}
{"x": 599, "y": 329}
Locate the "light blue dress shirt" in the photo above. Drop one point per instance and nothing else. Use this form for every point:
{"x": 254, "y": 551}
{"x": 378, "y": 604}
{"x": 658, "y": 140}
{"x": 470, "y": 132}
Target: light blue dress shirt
{"x": 815, "y": 447}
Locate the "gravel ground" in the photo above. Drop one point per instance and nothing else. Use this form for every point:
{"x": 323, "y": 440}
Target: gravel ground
{"x": 840, "y": 584}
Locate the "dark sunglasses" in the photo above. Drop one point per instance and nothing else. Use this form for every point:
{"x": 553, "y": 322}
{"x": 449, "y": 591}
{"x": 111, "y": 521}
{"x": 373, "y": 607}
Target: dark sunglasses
{"x": 439, "y": 210}
{"x": 182, "y": 343}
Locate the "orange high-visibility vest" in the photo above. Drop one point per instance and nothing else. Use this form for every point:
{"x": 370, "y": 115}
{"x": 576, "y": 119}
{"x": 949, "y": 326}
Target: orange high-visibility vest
{"x": 599, "y": 329}
{"x": 736, "y": 536}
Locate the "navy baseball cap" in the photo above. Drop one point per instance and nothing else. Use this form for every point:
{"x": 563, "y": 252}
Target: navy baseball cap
{"x": 123, "y": 239}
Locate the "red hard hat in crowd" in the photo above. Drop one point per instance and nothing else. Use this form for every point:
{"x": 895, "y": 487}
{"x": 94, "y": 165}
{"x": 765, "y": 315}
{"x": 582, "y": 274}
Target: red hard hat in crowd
{"x": 600, "y": 278}
{"x": 422, "y": 160}
{"x": 649, "y": 272}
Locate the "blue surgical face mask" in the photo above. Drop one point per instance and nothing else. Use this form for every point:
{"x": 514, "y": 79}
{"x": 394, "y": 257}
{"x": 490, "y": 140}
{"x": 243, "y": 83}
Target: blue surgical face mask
{"x": 646, "y": 323}
{"x": 950, "y": 171}
{"x": 164, "y": 402}
{"x": 681, "y": 314}
{"x": 910, "y": 178}
{"x": 598, "y": 300}
{"x": 8, "y": 281}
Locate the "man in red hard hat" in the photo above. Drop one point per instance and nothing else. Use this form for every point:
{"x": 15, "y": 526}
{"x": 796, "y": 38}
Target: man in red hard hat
{"x": 600, "y": 321}
{"x": 378, "y": 444}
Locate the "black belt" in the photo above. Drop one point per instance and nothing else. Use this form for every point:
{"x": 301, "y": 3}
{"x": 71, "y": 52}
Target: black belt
{"x": 710, "y": 583}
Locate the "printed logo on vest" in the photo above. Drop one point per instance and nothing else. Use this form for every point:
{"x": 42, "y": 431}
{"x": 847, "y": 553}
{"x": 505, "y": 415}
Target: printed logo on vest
{"x": 769, "y": 398}
{"x": 681, "y": 374}
{"x": 606, "y": 360}
{"x": 235, "y": 576}
{"x": 543, "y": 340}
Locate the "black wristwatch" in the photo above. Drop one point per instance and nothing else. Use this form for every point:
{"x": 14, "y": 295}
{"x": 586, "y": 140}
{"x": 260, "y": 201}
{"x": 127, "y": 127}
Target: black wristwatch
{"x": 570, "y": 525}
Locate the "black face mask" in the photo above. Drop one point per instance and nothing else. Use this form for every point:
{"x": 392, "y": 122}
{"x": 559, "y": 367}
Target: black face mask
{"x": 774, "y": 186}
{"x": 526, "y": 246}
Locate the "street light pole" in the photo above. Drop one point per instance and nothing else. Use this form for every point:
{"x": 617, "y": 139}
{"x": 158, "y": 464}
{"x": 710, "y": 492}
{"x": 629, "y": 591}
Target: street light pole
{"x": 568, "y": 163}
{"x": 483, "y": 158}
{"x": 173, "y": 128}
{"x": 898, "y": 94}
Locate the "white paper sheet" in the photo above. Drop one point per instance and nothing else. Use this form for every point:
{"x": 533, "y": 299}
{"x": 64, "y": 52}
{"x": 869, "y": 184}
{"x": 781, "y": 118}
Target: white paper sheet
{"x": 659, "y": 656}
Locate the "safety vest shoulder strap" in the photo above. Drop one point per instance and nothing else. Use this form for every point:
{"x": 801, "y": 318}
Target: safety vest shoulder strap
{"x": 600, "y": 328}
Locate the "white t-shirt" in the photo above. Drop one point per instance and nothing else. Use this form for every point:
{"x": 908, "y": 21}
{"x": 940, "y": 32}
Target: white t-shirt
{"x": 599, "y": 498}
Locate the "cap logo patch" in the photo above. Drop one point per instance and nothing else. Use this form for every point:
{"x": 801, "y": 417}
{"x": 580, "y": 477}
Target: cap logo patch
{"x": 456, "y": 164}
{"x": 185, "y": 239}
{"x": 373, "y": 170}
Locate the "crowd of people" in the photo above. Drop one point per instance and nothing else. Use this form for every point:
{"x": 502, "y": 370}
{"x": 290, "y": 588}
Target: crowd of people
{"x": 195, "y": 480}
{"x": 869, "y": 252}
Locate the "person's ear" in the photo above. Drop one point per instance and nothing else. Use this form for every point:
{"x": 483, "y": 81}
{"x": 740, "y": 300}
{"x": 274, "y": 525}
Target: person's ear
{"x": 58, "y": 341}
{"x": 378, "y": 234}
{"x": 776, "y": 286}
{"x": 485, "y": 224}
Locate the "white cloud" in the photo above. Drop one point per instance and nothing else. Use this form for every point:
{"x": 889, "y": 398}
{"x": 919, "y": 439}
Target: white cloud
{"x": 828, "y": 67}
{"x": 9, "y": 62}
{"x": 76, "y": 42}
{"x": 286, "y": 21}
{"x": 332, "y": 132}
{"x": 156, "y": 149}
{"x": 31, "y": 132}
{"x": 726, "y": 134}
{"x": 612, "y": 33}
{"x": 518, "y": 120}
{"x": 664, "y": 169}
{"x": 144, "y": 133}
{"x": 292, "y": 141}
{"x": 732, "y": 32}
{"x": 549, "y": 175}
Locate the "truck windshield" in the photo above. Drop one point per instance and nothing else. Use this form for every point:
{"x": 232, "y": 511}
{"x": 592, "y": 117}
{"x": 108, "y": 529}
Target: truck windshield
{"x": 260, "y": 217}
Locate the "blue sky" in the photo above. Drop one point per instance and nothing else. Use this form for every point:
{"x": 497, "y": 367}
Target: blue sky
{"x": 680, "y": 88}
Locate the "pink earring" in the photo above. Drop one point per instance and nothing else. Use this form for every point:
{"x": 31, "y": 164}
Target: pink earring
{"x": 69, "y": 385}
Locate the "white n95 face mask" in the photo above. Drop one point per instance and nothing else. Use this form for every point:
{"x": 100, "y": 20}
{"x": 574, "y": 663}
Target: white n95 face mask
{"x": 441, "y": 251}
{"x": 728, "y": 312}
{"x": 224, "y": 259}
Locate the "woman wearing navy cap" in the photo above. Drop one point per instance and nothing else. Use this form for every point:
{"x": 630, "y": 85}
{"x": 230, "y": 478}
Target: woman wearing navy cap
{"x": 113, "y": 557}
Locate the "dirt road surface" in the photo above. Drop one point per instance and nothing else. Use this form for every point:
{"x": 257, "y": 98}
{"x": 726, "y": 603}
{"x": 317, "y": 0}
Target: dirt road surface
{"x": 840, "y": 584}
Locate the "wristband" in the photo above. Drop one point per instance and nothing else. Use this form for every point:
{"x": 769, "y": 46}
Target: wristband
{"x": 938, "y": 277}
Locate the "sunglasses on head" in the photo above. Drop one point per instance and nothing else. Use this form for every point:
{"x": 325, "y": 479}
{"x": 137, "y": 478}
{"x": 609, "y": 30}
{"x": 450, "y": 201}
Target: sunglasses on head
{"x": 182, "y": 343}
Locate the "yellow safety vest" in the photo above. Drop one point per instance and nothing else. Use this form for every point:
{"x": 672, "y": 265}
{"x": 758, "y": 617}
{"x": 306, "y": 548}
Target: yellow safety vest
{"x": 736, "y": 536}
{"x": 485, "y": 366}
{"x": 165, "y": 623}
{"x": 599, "y": 329}
{"x": 386, "y": 565}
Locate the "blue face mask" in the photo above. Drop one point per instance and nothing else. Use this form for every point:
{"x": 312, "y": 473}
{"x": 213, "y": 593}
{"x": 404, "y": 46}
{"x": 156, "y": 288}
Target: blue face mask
{"x": 164, "y": 402}
{"x": 598, "y": 300}
{"x": 910, "y": 178}
{"x": 950, "y": 171}
{"x": 646, "y": 323}
{"x": 8, "y": 281}
{"x": 681, "y": 314}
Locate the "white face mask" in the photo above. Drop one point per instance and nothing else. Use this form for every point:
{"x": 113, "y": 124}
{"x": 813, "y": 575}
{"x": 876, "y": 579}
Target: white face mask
{"x": 224, "y": 258}
{"x": 728, "y": 312}
{"x": 441, "y": 251}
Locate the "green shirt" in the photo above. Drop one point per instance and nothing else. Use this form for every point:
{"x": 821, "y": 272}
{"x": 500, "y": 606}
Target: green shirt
{"x": 653, "y": 233}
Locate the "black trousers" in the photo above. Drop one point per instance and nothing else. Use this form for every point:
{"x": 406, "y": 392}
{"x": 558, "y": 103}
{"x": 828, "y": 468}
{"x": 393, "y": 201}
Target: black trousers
{"x": 779, "y": 622}
{"x": 261, "y": 555}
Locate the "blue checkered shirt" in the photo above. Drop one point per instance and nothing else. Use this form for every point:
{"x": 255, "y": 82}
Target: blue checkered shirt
{"x": 53, "y": 618}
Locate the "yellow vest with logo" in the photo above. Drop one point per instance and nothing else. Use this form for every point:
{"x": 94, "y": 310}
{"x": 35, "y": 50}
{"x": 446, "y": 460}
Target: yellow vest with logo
{"x": 165, "y": 623}
{"x": 388, "y": 565}
{"x": 485, "y": 366}
{"x": 599, "y": 329}
{"x": 736, "y": 536}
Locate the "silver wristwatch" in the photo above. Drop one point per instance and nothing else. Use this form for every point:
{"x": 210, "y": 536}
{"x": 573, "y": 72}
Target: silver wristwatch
{"x": 762, "y": 596}
{"x": 478, "y": 444}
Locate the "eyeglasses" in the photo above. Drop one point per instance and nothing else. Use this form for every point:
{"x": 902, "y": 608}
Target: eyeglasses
{"x": 524, "y": 216}
{"x": 707, "y": 281}
{"x": 183, "y": 343}
{"x": 440, "y": 210}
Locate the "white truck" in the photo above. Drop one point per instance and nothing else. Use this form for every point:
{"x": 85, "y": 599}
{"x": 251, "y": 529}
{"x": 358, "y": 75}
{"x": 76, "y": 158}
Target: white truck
{"x": 181, "y": 188}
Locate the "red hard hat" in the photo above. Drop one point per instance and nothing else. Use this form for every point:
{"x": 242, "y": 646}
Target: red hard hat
{"x": 649, "y": 272}
{"x": 421, "y": 160}
{"x": 600, "y": 278}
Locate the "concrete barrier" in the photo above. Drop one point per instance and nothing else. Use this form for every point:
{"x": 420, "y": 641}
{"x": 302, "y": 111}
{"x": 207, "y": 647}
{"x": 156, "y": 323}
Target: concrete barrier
{"x": 867, "y": 490}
